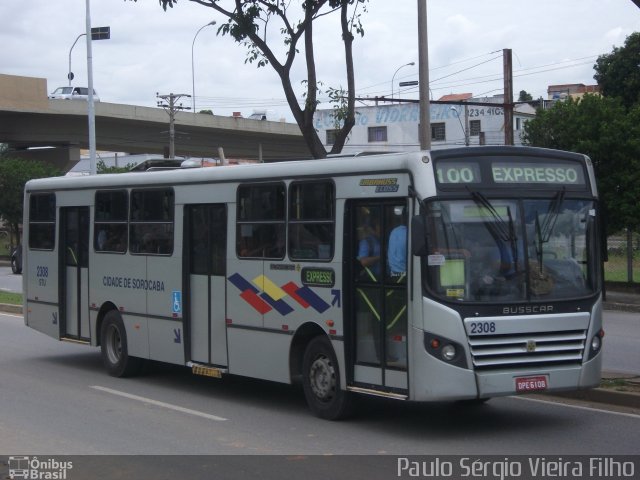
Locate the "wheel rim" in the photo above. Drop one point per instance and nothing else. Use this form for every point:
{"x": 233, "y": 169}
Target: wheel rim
{"x": 114, "y": 344}
{"x": 322, "y": 378}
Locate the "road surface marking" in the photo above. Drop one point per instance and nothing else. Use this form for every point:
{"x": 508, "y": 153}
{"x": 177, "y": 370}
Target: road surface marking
{"x": 159, "y": 404}
{"x": 580, "y": 407}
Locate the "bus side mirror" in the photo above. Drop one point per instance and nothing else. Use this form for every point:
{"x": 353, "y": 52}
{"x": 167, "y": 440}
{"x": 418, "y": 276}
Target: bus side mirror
{"x": 418, "y": 236}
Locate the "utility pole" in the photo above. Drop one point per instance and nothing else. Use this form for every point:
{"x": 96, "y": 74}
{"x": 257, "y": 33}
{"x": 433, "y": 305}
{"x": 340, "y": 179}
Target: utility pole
{"x": 168, "y": 102}
{"x": 91, "y": 111}
{"x": 508, "y": 96}
{"x": 423, "y": 77}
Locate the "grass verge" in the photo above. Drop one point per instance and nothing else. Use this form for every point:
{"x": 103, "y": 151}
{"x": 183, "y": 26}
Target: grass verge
{"x": 10, "y": 297}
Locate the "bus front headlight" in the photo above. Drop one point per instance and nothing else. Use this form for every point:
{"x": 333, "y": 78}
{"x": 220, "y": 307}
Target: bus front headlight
{"x": 596, "y": 344}
{"x": 448, "y": 352}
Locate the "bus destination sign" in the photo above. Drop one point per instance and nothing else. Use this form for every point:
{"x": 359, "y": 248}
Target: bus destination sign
{"x": 549, "y": 173}
{"x": 458, "y": 172}
{"x": 510, "y": 172}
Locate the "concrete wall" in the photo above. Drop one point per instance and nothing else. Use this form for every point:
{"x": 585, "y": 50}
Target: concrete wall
{"x": 23, "y": 93}
{"x": 64, "y": 158}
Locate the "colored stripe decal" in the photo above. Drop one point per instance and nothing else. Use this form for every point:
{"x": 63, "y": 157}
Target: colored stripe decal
{"x": 241, "y": 283}
{"x": 292, "y": 289}
{"x": 314, "y": 300}
{"x": 256, "y": 302}
{"x": 280, "y": 305}
{"x": 269, "y": 287}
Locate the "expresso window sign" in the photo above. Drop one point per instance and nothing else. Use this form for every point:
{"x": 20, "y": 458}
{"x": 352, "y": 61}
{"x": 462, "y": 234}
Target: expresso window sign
{"x": 318, "y": 277}
{"x": 544, "y": 172}
{"x": 547, "y": 172}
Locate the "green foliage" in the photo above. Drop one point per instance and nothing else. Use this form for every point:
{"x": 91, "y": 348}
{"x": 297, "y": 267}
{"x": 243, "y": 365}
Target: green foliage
{"x": 338, "y": 99}
{"x": 102, "y": 167}
{"x": 609, "y": 134}
{"x": 207, "y": 112}
{"x": 14, "y": 173}
{"x": 10, "y": 298}
{"x": 524, "y": 96}
{"x": 618, "y": 73}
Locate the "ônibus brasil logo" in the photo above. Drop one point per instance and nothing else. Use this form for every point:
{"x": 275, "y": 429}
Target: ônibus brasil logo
{"x": 32, "y": 468}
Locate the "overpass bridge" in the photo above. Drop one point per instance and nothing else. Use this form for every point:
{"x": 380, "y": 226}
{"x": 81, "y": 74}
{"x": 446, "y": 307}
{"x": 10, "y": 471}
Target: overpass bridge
{"x": 29, "y": 119}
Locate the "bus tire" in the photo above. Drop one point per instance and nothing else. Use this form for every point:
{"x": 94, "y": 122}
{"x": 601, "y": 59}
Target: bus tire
{"x": 113, "y": 346}
{"x": 321, "y": 381}
{"x": 14, "y": 266}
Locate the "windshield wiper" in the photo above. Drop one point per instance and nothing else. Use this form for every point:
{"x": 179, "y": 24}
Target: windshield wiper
{"x": 543, "y": 233}
{"x": 499, "y": 228}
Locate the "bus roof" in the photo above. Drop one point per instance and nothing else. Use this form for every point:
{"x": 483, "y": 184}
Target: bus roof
{"x": 246, "y": 172}
{"x": 298, "y": 169}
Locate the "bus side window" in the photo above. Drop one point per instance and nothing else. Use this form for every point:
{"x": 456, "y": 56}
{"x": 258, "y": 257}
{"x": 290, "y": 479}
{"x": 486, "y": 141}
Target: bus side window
{"x": 260, "y": 229}
{"x": 42, "y": 221}
{"x": 311, "y": 220}
{"x": 110, "y": 221}
{"x": 151, "y": 224}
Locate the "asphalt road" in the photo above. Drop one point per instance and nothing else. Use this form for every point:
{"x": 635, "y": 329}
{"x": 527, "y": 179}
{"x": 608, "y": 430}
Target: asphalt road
{"x": 56, "y": 398}
{"x": 622, "y": 342}
{"x": 9, "y": 281}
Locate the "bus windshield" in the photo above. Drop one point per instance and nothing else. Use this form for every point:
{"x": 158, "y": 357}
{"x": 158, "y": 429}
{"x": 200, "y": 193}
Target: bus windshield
{"x": 511, "y": 250}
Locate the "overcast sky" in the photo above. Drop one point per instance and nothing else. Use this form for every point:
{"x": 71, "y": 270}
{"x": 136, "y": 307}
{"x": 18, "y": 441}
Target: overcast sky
{"x": 553, "y": 41}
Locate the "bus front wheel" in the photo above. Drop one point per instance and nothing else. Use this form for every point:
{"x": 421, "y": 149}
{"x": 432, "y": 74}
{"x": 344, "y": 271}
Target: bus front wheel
{"x": 113, "y": 346}
{"x": 321, "y": 382}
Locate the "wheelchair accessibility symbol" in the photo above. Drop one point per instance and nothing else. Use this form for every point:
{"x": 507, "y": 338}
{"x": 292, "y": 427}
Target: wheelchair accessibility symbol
{"x": 177, "y": 301}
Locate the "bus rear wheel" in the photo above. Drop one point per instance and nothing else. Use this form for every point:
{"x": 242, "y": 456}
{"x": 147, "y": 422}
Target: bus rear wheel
{"x": 321, "y": 381}
{"x": 113, "y": 346}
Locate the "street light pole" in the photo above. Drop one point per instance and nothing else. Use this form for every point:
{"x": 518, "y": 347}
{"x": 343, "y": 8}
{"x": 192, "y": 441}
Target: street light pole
{"x": 193, "y": 75}
{"x": 394, "y": 75}
{"x": 70, "y": 73}
{"x": 465, "y": 128}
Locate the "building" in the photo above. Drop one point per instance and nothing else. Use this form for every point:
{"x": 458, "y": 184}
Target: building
{"x": 394, "y": 127}
{"x": 573, "y": 90}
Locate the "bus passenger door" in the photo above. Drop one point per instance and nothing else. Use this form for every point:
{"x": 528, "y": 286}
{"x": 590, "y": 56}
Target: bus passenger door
{"x": 205, "y": 254}
{"x": 376, "y": 317}
{"x": 74, "y": 273}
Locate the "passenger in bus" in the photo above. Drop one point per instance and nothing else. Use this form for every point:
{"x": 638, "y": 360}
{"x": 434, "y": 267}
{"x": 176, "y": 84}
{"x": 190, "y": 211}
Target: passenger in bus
{"x": 369, "y": 251}
{"x": 368, "y": 309}
{"x": 397, "y": 248}
{"x": 396, "y": 308}
{"x": 102, "y": 240}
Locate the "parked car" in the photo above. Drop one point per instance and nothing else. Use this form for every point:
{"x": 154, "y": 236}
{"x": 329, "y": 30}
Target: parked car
{"x": 73, "y": 93}
{"x": 16, "y": 259}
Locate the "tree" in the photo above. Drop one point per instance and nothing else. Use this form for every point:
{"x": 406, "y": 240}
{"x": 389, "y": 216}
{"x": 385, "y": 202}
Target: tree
{"x": 603, "y": 129}
{"x": 525, "y": 96}
{"x": 102, "y": 167}
{"x": 14, "y": 173}
{"x": 618, "y": 73}
{"x": 248, "y": 23}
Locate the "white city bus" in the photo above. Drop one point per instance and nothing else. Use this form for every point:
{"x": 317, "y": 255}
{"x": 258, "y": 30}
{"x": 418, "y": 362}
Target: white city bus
{"x": 458, "y": 274}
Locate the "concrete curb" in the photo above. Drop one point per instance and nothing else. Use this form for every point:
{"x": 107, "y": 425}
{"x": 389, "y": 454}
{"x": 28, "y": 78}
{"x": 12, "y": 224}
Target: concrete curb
{"x": 9, "y": 308}
{"x": 603, "y": 395}
{"x": 621, "y": 307}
